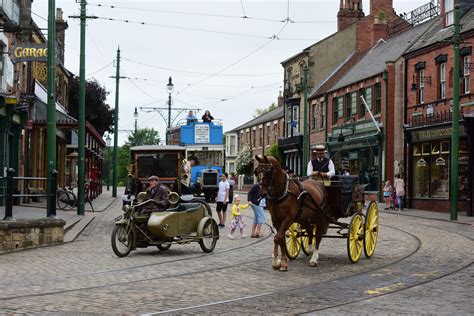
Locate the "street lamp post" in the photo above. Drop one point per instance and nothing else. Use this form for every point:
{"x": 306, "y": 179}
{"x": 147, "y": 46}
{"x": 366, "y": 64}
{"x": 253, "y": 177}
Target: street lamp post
{"x": 108, "y": 141}
{"x": 135, "y": 116}
{"x": 170, "y": 88}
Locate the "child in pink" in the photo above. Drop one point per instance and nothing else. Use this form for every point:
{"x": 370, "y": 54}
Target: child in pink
{"x": 237, "y": 220}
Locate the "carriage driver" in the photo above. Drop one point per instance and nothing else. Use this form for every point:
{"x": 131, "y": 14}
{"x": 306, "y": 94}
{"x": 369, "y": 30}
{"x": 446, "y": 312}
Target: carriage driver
{"x": 159, "y": 194}
{"x": 321, "y": 165}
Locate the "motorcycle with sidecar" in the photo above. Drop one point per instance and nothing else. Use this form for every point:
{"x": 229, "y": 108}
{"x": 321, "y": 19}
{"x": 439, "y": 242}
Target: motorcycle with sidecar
{"x": 187, "y": 220}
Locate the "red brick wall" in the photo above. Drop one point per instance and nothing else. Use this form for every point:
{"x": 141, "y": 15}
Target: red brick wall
{"x": 261, "y": 145}
{"x": 431, "y": 70}
{"x": 442, "y": 206}
{"x": 381, "y": 5}
{"x": 389, "y": 124}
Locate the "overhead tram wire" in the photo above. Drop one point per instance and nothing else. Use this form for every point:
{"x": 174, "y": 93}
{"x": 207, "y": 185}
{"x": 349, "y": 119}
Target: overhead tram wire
{"x": 275, "y": 36}
{"x": 199, "y": 73}
{"x": 99, "y": 70}
{"x": 191, "y": 13}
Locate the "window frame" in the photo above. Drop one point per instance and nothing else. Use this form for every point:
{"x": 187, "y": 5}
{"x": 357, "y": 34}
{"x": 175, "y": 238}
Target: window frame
{"x": 377, "y": 98}
{"x": 442, "y": 80}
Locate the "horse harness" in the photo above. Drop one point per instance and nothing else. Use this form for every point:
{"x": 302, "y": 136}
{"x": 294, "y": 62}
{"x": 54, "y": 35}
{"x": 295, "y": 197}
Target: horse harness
{"x": 300, "y": 197}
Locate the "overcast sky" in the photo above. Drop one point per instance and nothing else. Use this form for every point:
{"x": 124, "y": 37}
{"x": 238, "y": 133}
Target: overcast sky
{"x": 218, "y": 60}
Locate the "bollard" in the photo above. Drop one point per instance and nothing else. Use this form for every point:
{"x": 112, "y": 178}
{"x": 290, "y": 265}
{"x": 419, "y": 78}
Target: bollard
{"x": 51, "y": 212}
{"x": 9, "y": 195}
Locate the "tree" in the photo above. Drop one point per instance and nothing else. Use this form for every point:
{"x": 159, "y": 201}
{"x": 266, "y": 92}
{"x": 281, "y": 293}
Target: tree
{"x": 275, "y": 152}
{"x": 259, "y": 112}
{"x": 98, "y": 113}
{"x": 143, "y": 136}
{"x": 244, "y": 161}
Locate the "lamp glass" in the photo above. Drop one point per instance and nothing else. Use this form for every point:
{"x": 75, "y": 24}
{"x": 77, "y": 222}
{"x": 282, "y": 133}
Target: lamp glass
{"x": 108, "y": 140}
{"x": 170, "y": 85}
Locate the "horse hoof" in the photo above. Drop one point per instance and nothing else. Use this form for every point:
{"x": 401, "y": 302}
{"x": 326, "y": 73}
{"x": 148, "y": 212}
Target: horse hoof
{"x": 313, "y": 264}
{"x": 276, "y": 267}
{"x": 276, "y": 263}
{"x": 284, "y": 268}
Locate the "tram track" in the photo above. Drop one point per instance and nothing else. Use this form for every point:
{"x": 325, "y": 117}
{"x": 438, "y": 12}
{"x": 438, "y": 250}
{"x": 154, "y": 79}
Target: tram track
{"x": 156, "y": 265}
{"x": 265, "y": 296}
{"x": 317, "y": 287}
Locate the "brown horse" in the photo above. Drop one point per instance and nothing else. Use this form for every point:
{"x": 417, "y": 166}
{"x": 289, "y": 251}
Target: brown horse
{"x": 289, "y": 201}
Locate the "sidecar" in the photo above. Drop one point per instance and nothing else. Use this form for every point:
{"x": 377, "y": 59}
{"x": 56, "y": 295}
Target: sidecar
{"x": 183, "y": 223}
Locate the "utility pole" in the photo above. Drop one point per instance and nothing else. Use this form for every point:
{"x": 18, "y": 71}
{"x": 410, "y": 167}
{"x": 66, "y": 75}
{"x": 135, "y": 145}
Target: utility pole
{"x": 135, "y": 115}
{"x": 51, "y": 109}
{"x": 82, "y": 111}
{"x": 455, "y": 128}
{"x": 170, "y": 88}
{"x": 116, "y": 119}
{"x": 305, "y": 120}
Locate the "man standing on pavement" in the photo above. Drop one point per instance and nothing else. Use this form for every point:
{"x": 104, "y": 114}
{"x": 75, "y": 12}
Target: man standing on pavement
{"x": 159, "y": 194}
{"x": 222, "y": 199}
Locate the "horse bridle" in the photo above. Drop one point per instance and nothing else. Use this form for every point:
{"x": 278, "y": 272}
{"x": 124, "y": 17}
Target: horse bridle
{"x": 267, "y": 170}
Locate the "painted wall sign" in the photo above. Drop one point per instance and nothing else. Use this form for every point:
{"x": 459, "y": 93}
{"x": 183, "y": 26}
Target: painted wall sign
{"x": 201, "y": 134}
{"x": 29, "y": 52}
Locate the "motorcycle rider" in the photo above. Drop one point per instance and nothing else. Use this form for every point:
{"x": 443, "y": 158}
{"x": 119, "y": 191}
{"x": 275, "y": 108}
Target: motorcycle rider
{"x": 159, "y": 194}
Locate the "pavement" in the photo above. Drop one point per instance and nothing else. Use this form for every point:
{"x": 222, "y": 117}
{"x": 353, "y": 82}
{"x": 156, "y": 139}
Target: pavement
{"x": 75, "y": 223}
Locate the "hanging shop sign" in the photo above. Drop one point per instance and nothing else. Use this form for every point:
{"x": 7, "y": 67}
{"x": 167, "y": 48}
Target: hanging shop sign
{"x": 29, "y": 52}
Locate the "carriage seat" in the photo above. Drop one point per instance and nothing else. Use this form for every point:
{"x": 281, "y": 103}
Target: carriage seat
{"x": 346, "y": 183}
{"x": 184, "y": 207}
{"x": 346, "y": 186}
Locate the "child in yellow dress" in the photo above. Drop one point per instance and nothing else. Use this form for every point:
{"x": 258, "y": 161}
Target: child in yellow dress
{"x": 237, "y": 220}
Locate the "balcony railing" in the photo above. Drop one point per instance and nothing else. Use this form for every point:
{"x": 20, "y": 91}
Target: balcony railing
{"x": 435, "y": 118}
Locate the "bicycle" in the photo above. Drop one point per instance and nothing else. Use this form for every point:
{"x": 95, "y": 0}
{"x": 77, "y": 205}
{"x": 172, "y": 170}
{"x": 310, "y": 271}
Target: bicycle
{"x": 66, "y": 199}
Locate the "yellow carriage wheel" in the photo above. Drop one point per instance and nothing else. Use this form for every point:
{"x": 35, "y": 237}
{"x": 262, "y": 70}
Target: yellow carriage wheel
{"x": 355, "y": 238}
{"x": 371, "y": 229}
{"x": 305, "y": 242}
{"x": 293, "y": 245}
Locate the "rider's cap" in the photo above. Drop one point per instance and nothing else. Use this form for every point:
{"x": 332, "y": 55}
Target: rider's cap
{"x": 153, "y": 178}
{"x": 319, "y": 149}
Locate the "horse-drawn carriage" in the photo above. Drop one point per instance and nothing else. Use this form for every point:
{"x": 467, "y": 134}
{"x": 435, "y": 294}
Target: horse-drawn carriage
{"x": 302, "y": 211}
{"x": 360, "y": 232}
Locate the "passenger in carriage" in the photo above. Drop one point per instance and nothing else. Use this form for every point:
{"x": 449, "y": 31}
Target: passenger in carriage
{"x": 321, "y": 166}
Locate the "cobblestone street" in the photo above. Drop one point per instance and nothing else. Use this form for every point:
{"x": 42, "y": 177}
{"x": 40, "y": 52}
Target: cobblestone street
{"x": 419, "y": 266}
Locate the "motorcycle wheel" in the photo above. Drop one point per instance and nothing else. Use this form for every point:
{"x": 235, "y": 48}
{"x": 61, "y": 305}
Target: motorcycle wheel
{"x": 210, "y": 234}
{"x": 122, "y": 240}
{"x": 164, "y": 246}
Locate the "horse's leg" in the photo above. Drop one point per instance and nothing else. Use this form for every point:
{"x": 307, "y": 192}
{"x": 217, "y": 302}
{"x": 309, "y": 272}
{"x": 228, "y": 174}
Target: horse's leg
{"x": 280, "y": 240}
{"x": 313, "y": 262}
{"x": 310, "y": 239}
{"x": 276, "y": 262}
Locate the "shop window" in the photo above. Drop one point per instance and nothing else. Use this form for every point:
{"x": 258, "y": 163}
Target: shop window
{"x": 340, "y": 107}
{"x": 431, "y": 170}
{"x": 425, "y": 149}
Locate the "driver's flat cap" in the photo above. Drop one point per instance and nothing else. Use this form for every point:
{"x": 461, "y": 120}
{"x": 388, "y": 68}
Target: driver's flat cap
{"x": 154, "y": 178}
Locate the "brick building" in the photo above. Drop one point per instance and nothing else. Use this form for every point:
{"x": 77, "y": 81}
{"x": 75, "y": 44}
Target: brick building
{"x": 428, "y": 117}
{"x": 356, "y": 34}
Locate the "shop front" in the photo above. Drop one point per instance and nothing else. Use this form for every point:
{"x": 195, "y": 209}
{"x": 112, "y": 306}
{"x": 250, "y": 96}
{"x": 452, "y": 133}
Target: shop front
{"x": 360, "y": 155}
{"x": 429, "y": 168}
